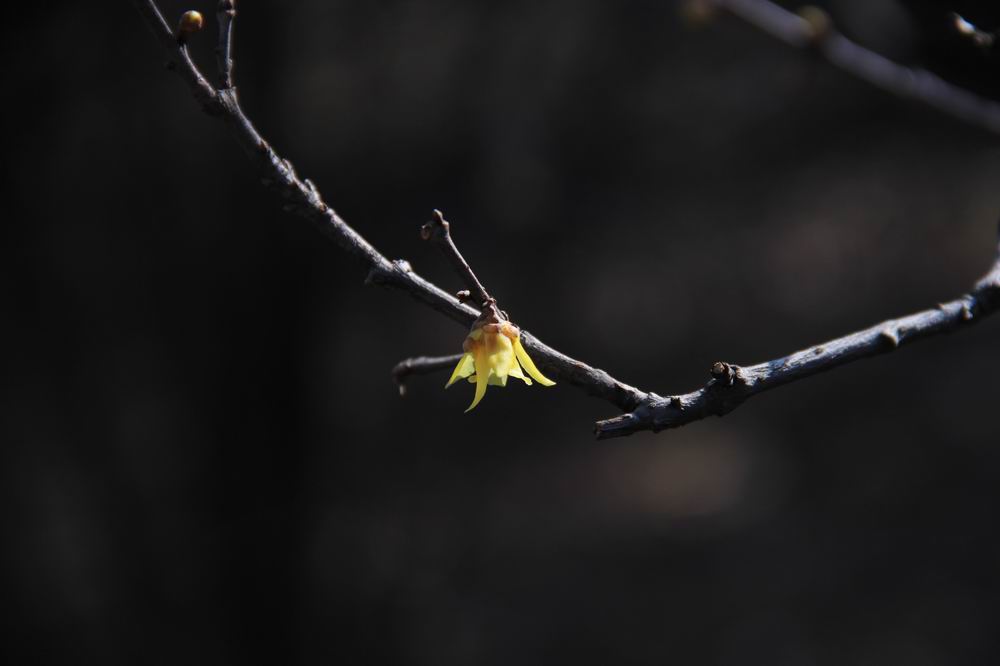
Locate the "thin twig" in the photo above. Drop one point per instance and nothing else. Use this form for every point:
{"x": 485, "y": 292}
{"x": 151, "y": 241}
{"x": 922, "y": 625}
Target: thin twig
{"x": 731, "y": 385}
{"x": 907, "y": 82}
{"x": 301, "y": 197}
{"x": 224, "y": 51}
{"x": 178, "y": 58}
{"x": 421, "y": 365}
{"x": 439, "y": 232}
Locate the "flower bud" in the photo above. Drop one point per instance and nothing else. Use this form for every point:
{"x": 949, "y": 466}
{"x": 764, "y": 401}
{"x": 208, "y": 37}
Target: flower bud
{"x": 819, "y": 24}
{"x": 190, "y": 23}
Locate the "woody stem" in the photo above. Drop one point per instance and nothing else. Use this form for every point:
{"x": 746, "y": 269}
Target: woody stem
{"x": 421, "y": 365}
{"x": 439, "y": 232}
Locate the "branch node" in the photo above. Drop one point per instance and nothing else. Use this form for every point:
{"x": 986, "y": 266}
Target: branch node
{"x": 726, "y": 374}
{"x": 890, "y": 336}
{"x": 967, "y": 313}
{"x": 376, "y": 275}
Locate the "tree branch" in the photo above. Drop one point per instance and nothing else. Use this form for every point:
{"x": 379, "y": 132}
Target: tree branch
{"x": 813, "y": 30}
{"x": 439, "y": 231}
{"x": 731, "y": 385}
{"x": 302, "y": 197}
{"x": 421, "y": 365}
{"x": 224, "y": 51}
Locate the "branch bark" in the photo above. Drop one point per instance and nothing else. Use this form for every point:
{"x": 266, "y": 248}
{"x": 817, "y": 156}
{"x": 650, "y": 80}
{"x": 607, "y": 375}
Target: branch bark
{"x": 731, "y": 385}
{"x": 907, "y": 82}
{"x": 421, "y": 365}
{"x": 226, "y": 15}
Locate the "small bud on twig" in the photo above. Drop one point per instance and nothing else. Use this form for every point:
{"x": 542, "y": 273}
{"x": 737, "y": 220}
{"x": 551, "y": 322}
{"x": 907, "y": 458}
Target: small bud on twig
{"x": 463, "y": 295}
{"x": 819, "y": 23}
{"x": 190, "y": 23}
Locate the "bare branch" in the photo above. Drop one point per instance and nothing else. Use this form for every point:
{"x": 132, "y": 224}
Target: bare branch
{"x": 731, "y": 385}
{"x": 178, "y": 58}
{"x": 907, "y": 82}
{"x": 224, "y": 51}
{"x": 302, "y": 197}
{"x": 421, "y": 365}
{"x": 439, "y": 231}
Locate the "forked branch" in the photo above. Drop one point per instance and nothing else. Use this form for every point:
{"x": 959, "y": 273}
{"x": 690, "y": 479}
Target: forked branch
{"x": 730, "y": 386}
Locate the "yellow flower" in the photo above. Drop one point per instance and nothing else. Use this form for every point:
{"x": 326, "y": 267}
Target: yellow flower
{"x": 492, "y": 353}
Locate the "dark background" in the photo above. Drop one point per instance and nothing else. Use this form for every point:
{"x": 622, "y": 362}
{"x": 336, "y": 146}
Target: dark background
{"x": 204, "y": 459}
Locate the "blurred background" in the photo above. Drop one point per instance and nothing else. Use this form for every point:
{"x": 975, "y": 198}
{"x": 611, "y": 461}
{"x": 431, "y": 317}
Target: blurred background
{"x": 204, "y": 459}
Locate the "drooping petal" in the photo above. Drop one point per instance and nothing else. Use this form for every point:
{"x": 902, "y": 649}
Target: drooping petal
{"x": 466, "y": 366}
{"x": 515, "y": 371}
{"x": 529, "y": 365}
{"x": 482, "y": 377}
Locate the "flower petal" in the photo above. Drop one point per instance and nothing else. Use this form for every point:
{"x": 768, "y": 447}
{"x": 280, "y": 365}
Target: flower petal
{"x": 515, "y": 371}
{"x": 466, "y": 366}
{"x": 482, "y": 377}
{"x": 529, "y": 365}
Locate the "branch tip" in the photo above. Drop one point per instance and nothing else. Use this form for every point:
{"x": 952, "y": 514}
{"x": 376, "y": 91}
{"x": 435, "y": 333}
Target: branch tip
{"x": 439, "y": 230}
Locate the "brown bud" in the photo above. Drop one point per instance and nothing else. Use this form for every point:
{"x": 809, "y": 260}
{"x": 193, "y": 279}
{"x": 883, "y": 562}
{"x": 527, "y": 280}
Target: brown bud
{"x": 190, "y": 23}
